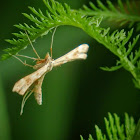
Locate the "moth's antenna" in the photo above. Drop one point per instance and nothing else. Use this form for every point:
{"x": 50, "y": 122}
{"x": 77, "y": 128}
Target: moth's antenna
{"x": 26, "y": 96}
{"x": 32, "y": 45}
{"x": 52, "y": 40}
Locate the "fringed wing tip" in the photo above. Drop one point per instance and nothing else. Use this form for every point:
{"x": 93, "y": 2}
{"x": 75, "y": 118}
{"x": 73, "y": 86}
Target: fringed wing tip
{"x": 83, "y": 48}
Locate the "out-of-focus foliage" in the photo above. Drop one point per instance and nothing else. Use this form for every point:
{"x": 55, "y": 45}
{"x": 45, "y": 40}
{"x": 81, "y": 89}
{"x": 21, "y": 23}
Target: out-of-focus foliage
{"x": 77, "y": 95}
{"x": 136, "y": 135}
{"x": 4, "y": 119}
{"x": 115, "y": 129}
{"x": 124, "y": 12}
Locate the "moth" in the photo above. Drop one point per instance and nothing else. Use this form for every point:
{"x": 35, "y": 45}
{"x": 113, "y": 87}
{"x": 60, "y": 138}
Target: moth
{"x": 32, "y": 83}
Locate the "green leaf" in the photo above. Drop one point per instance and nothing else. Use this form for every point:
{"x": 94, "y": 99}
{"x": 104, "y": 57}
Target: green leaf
{"x": 57, "y": 14}
{"x": 114, "y": 68}
{"x": 81, "y": 137}
{"x": 4, "y": 119}
{"x": 136, "y": 135}
{"x": 115, "y": 130}
{"x": 124, "y": 12}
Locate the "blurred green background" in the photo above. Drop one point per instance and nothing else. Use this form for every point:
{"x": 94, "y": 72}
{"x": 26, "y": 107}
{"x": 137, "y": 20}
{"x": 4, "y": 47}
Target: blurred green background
{"x": 76, "y": 96}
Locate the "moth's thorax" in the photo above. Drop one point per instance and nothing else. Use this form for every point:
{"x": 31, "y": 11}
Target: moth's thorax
{"x": 41, "y": 63}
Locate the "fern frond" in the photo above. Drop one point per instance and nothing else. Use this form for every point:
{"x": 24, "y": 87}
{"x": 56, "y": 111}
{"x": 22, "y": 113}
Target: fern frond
{"x": 81, "y": 137}
{"x": 136, "y": 135}
{"x": 99, "y": 134}
{"x": 115, "y": 130}
{"x": 114, "y": 68}
{"x": 57, "y": 14}
{"x": 122, "y": 12}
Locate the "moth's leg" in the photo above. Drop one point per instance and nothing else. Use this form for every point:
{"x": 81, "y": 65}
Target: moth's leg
{"x": 52, "y": 40}
{"x": 32, "y": 46}
{"x": 26, "y": 96}
{"x": 27, "y": 57}
{"x": 24, "y": 63}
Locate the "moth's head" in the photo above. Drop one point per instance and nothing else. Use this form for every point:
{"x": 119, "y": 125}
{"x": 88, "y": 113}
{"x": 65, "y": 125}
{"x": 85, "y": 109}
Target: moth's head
{"x": 47, "y": 57}
{"x": 43, "y": 62}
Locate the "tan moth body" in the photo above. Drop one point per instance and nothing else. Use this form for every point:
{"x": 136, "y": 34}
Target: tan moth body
{"x": 32, "y": 83}
{"x": 38, "y": 90}
{"x": 23, "y": 84}
{"x": 76, "y": 54}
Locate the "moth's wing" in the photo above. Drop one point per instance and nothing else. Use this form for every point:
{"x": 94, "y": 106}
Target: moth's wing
{"x": 23, "y": 84}
{"x": 38, "y": 90}
{"x": 79, "y": 53}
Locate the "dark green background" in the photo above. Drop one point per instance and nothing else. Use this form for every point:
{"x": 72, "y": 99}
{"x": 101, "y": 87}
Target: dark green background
{"x": 76, "y": 96}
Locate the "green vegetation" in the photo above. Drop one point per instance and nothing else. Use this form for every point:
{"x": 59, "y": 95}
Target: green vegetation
{"x": 115, "y": 130}
{"x": 118, "y": 42}
{"x": 121, "y": 43}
